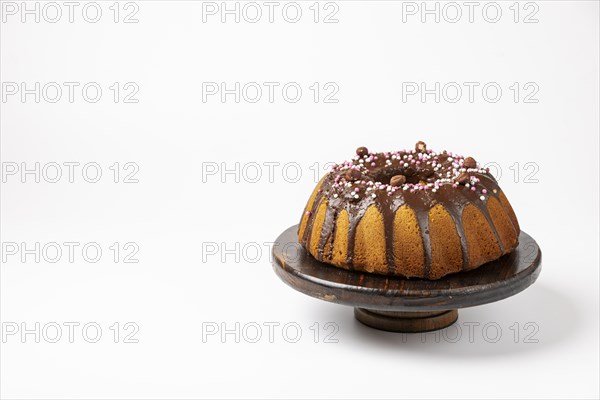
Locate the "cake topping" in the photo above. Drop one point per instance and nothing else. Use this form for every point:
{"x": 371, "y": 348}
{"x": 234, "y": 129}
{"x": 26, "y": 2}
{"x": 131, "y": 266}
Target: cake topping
{"x": 362, "y": 151}
{"x": 352, "y": 175}
{"x": 398, "y": 180}
{"x": 425, "y": 173}
{"x": 470, "y": 163}
{"x": 463, "y": 178}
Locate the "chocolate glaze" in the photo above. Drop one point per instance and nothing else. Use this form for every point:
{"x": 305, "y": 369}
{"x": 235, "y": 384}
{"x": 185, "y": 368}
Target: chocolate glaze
{"x": 430, "y": 180}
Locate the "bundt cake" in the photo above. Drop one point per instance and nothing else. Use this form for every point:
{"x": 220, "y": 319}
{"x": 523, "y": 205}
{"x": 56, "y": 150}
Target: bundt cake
{"x": 411, "y": 213}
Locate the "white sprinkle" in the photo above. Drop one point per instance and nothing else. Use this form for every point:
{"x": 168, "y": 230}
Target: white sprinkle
{"x": 335, "y": 195}
{"x": 482, "y": 198}
{"x": 374, "y": 195}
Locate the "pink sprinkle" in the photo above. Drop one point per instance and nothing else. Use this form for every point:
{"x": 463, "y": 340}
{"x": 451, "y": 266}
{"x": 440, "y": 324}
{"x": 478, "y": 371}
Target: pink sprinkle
{"x": 473, "y": 188}
{"x": 356, "y": 190}
{"x": 372, "y": 164}
{"x": 484, "y": 191}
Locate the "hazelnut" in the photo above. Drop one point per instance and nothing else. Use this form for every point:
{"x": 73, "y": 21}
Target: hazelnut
{"x": 352, "y": 175}
{"x": 362, "y": 151}
{"x": 463, "y": 178}
{"x": 398, "y": 180}
{"x": 470, "y": 163}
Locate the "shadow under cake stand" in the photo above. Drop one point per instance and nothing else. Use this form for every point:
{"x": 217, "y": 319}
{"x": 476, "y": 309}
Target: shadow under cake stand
{"x": 400, "y": 304}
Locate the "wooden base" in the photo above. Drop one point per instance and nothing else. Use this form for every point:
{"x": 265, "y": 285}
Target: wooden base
{"x": 406, "y": 305}
{"x": 406, "y": 321}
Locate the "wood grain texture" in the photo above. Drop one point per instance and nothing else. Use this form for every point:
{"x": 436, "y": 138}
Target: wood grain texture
{"x": 491, "y": 282}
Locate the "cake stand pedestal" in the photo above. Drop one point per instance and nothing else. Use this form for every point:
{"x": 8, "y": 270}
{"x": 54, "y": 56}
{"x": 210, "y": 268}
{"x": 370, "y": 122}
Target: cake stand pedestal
{"x": 400, "y": 304}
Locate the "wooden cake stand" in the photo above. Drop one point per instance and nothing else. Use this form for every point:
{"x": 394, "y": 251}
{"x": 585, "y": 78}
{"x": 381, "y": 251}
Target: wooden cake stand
{"x": 400, "y": 304}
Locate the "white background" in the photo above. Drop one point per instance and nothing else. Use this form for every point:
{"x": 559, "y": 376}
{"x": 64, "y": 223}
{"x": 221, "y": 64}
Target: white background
{"x": 173, "y": 213}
